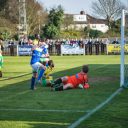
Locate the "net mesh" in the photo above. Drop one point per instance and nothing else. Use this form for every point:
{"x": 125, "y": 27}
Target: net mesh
{"x": 126, "y": 52}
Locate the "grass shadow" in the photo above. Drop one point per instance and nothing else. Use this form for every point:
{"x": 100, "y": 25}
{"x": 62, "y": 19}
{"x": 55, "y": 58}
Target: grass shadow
{"x": 18, "y": 103}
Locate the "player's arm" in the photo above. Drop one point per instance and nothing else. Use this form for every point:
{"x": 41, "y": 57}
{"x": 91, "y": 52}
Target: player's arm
{"x": 85, "y": 86}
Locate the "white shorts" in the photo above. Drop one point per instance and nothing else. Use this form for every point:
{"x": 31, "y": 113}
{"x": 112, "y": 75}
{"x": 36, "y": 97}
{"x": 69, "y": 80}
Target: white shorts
{"x": 36, "y": 66}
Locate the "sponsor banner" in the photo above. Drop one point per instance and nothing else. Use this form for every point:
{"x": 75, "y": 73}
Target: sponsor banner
{"x": 115, "y": 48}
{"x": 71, "y": 49}
{"x": 24, "y": 50}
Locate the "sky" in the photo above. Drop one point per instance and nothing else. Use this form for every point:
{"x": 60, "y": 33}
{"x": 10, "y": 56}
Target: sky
{"x": 72, "y": 6}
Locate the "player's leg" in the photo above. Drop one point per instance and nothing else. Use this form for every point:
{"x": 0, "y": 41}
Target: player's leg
{"x": 42, "y": 69}
{"x": 58, "y": 87}
{"x": 56, "y": 82}
{"x": 61, "y": 87}
{"x": 68, "y": 86}
{"x": 41, "y": 72}
{"x": 33, "y": 80}
{"x": 60, "y": 80}
{"x": 35, "y": 68}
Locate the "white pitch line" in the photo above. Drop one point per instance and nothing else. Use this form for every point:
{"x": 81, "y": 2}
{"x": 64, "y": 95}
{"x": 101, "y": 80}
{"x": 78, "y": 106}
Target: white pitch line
{"x": 44, "y": 110}
{"x": 39, "y": 122}
{"x": 21, "y": 75}
{"x": 86, "y": 116}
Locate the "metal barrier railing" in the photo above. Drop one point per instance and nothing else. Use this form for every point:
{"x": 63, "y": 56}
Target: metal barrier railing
{"x": 92, "y": 49}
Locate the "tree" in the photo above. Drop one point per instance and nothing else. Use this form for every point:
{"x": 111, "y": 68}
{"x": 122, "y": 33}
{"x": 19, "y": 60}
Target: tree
{"x": 9, "y": 15}
{"x": 55, "y": 19}
{"x": 51, "y": 31}
{"x": 94, "y": 33}
{"x": 11, "y": 12}
{"x": 108, "y": 9}
{"x": 2, "y": 4}
{"x": 36, "y": 16}
{"x": 68, "y": 20}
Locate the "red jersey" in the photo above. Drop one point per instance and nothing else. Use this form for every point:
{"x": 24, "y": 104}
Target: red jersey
{"x": 77, "y": 79}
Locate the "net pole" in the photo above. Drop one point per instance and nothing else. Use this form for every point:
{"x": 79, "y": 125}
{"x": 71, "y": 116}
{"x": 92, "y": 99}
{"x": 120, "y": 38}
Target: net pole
{"x": 122, "y": 49}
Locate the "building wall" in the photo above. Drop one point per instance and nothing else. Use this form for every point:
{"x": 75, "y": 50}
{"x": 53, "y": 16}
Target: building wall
{"x": 80, "y": 21}
{"x": 101, "y": 27}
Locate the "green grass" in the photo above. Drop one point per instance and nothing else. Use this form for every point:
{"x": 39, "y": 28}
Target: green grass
{"x": 23, "y": 108}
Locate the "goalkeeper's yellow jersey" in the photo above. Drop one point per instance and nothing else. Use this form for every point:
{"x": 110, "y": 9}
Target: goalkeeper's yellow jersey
{"x": 48, "y": 71}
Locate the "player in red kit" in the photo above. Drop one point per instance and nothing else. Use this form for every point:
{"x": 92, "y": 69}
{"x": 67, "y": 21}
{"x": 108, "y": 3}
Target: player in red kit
{"x": 74, "y": 81}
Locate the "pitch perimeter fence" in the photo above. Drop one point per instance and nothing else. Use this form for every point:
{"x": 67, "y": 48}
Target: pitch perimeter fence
{"x": 87, "y": 49}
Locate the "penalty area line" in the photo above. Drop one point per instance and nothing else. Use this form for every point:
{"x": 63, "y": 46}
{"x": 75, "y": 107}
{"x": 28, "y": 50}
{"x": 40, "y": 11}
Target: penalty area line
{"x": 44, "y": 122}
{"x": 25, "y": 74}
{"x": 50, "y": 123}
{"x": 44, "y": 110}
{"x": 86, "y": 116}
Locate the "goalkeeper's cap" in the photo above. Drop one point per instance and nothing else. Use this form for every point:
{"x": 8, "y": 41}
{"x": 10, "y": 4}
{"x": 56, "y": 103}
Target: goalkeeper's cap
{"x": 85, "y": 68}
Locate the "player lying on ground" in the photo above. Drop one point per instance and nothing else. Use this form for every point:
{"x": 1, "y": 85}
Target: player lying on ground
{"x": 71, "y": 82}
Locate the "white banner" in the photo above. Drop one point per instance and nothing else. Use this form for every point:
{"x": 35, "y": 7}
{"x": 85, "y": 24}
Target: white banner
{"x": 72, "y": 49}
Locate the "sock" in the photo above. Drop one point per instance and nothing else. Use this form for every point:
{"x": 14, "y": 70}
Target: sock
{"x": 58, "y": 81}
{"x": 40, "y": 74}
{"x": 59, "y": 88}
{"x": 33, "y": 82}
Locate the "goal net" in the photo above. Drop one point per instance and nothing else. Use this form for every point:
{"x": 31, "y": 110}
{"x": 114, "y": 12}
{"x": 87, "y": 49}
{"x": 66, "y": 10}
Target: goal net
{"x": 124, "y": 49}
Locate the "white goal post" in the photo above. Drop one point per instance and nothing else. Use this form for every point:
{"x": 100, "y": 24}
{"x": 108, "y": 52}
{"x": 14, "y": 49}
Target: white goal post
{"x": 123, "y": 75}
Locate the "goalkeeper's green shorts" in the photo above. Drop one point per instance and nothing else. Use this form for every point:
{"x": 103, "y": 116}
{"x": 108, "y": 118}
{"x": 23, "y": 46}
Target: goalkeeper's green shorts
{"x": 44, "y": 82}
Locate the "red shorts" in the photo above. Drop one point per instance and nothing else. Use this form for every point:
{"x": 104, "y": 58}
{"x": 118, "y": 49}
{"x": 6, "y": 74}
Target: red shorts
{"x": 71, "y": 80}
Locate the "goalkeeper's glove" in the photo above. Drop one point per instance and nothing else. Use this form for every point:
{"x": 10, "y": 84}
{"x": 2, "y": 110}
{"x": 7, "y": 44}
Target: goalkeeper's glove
{"x": 81, "y": 86}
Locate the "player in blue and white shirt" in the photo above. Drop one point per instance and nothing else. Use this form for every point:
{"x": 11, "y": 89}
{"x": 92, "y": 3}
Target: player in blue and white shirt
{"x": 35, "y": 63}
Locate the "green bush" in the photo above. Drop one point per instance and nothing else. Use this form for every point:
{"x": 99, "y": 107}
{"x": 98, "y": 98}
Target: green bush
{"x": 95, "y": 33}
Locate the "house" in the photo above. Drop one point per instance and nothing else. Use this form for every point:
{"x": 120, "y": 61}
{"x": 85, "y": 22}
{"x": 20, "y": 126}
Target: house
{"x": 82, "y": 20}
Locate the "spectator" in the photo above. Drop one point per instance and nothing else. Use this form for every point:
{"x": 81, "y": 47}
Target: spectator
{"x": 115, "y": 41}
{"x": 1, "y": 45}
{"x": 90, "y": 46}
{"x": 97, "y": 46}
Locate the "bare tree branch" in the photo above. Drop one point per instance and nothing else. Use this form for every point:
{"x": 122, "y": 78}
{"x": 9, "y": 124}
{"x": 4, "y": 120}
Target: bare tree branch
{"x": 107, "y": 9}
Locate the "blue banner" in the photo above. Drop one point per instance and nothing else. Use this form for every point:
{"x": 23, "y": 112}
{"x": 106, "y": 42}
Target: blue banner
{"x": 24, "y": 50}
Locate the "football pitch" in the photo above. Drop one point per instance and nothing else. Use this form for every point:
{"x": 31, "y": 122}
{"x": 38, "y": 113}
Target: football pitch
{"x": 103, "y": 105}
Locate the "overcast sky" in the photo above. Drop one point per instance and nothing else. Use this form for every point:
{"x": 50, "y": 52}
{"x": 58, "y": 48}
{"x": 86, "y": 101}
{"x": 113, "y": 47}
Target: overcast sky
{"x": 72, "y": 6}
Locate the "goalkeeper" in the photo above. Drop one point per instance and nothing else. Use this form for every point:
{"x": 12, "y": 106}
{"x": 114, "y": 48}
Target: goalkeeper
{"x": 71, "y": 82}
{"x": 47, "y": 78}
{"x": 1, "y": 63}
